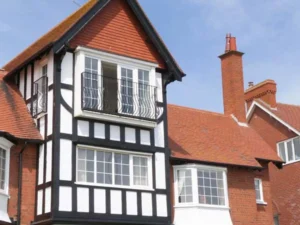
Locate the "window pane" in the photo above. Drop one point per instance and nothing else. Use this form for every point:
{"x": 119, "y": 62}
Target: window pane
{"x": 297, "y": 148}
{"x": 258, "y": 190}
{"x": 290, "y": 151}
{"x": 140, "y": 171}
{"x": 2, "y": 168}
{"x": 127, "y": 91}
{"x": 185, "y": 191}
{"x": 121, "y": 169}
{"x": 104, "y": 167}
{"x": 282, "y": 151}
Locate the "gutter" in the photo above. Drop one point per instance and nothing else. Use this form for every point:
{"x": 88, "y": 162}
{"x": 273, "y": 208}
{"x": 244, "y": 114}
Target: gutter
{"x": 20, "y": 183}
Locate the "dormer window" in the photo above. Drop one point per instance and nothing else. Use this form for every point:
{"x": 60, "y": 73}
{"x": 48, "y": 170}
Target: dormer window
{"x": 289, "y": 150}
{"x": 115, "y": 88}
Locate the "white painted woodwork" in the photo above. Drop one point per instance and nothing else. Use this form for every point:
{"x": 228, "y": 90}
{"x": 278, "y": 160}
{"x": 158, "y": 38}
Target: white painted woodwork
{"x": 22, "y": 83}
{"x": 67, "y": 69}
{"x": 49, "y": 162}
{"x": 65, "y": 161}
{"x": 131, "y": 203}
{"x": 160, "y": 170}
{"x": 145, "y": 137}
{"x": 159, "y": 87}
{"x": 50, "y": 63}
{"x": 99, "y": 201}
{"x": 116, "y": 202}
{"x": 65, "y": 199}
{"x": 130, "y": 135}
{"x": 28, "y": 83}
{"x": 3, "y": 208}
{"x": 48, "y": 200}
{"x": 83, "y": 128}
{"x": 50, "y": 112}
{"x": 67, "y": 96}
{"x": 66, "y": 121}
{"x": 41, "y": 165}
{"x": 147, "y": 204}
{"x": 207, "y": 215}
{"x": 99, "y": 130}
{"x": 83, "y": 200}
{"x": 39, "y": 202}
{"x": 114, "y": 133}
{"x": 42, "y": 126}
{"x": 161, "y": 205}
{"x": 159, "y": 134}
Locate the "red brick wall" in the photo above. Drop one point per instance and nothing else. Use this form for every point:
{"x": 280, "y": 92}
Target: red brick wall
{"x": 115, "y": 29}
{"x": 28, "y": 183}
{"x": 285, "y": 182}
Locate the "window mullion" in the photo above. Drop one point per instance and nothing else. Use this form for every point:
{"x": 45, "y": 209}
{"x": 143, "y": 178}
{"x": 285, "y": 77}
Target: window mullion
{"x": 195, "y": 186}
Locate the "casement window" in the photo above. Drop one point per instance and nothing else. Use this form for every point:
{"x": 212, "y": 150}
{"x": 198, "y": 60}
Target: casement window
{"x": 200, "y": 185}
{"x": 117, "y": 85}
{"x": 259, "y": 191}
{"x": 39, "y": 99}
{"x": 113, "y": 168}
{"x": 289, "y": 150}
{"x": 3, "y": 159}
{"x": 4, "y": 165}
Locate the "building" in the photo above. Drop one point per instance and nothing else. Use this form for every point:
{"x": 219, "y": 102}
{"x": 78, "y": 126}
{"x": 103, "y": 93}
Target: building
{"x": 279, "y": 125}
{"x": 95, "y": 87}
{"x": 220, "y": 164}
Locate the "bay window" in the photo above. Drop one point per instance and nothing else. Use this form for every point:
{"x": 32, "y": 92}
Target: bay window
{"x": 3, "y": 171}
{"x": 113, "y": 168}
{"x": 200, "y": 185}
{"x": 289, "y": 150}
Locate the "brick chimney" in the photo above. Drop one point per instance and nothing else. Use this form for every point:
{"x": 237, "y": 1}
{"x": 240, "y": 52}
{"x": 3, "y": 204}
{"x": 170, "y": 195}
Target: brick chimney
{"x": 265, "y": 91}
{"x": 233, "y": 80}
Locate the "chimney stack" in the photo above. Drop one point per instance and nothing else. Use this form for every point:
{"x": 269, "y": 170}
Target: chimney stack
{"x": 233, "y": 80}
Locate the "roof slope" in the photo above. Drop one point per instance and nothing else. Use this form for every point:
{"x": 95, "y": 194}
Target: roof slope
{"x": 53, "y": 35}
{"x": 215, "y": 138}
{"x": 15, "y": 119}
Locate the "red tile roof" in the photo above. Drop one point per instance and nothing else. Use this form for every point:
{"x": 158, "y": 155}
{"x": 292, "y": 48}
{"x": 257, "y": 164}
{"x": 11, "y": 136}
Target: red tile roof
{"x": 15, "y": 119}
{"x": 215, "y": 138}
{"x": 50, "y": 37}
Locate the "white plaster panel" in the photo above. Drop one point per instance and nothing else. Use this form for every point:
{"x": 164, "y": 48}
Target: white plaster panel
{"x": 83, "y": 128}
{"x": 50, "y": 65}
{"x": 67, "y": 69}
{"x": 99, "y": 201}
{"x": 39, "y": 208}
{"x": 48, "y": 200}
{"x": 42, "y": 126}
{"x": 65, "y": 199}
{"x": 159, "y": 87}
{"x": 3, "y": 209}
{"x": 116, "y": 202}
{"x": 147, "y": 204}
{"x": 131, "y": 203}
{"x": 49, "y": 161}
{"x": 22, "y": 83}
{"x": 160, "y": 170}
{"x": 145, "y": 137}
{"x": 66, "y": 121}
{"x": 159, "y": 134}
{"x": 114, "y": 133}
{"x": 99, "y": 130}
{"x": 130, "y": 135}
{"x": 161, "y": 205}
{"x": 83, "y": 204}
{"x": 50, "y": 112}
{"x": 28, "y": 83}
{"x": 207, "y": 216}
{"x": 65, "y": 162}
{"x": 41, "y": 165}
{"x": 67, "y": 95}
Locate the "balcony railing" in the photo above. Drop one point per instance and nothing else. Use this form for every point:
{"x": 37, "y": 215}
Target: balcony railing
{"x": 118, "y": 96}
{"x": 39, "y": 99}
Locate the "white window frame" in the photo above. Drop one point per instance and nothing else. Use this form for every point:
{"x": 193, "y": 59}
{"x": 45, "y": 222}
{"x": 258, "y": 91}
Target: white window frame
{"x": 261, "y": 200}
{"x": 121, "y": 62}
{"x": 194, "y": 168}
{"x": 131, "y": 155}
{"x": 6, "y": 146}
{"x": 286, "y": 150}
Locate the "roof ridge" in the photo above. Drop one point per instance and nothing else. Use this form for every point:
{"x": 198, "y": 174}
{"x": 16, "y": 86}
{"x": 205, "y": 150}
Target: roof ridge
{"x": 197, "y": 110}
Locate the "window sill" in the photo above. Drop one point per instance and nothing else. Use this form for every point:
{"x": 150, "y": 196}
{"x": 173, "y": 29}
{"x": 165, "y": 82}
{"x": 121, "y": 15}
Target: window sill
{"x": 116, "y": 118}
{"x": 291, "y": 162}
{"x": 115, "y": 186}
{"x": 3, "y": 193}
{"x": 202, "y": 206}
{"x": 261, "y": 203}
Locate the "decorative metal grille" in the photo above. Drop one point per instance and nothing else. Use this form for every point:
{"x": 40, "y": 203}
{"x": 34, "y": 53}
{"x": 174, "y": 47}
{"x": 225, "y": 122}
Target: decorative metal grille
{"x": 39, "y": 99}
{"x": 118, "y": 96}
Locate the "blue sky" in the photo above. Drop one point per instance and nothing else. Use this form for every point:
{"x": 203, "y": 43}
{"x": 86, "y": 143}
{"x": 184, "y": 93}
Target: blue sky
{"x": 268, "y": 32}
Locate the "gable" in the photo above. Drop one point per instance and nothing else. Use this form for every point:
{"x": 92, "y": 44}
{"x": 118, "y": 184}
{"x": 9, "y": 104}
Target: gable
{"x": 116, "y": 29}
